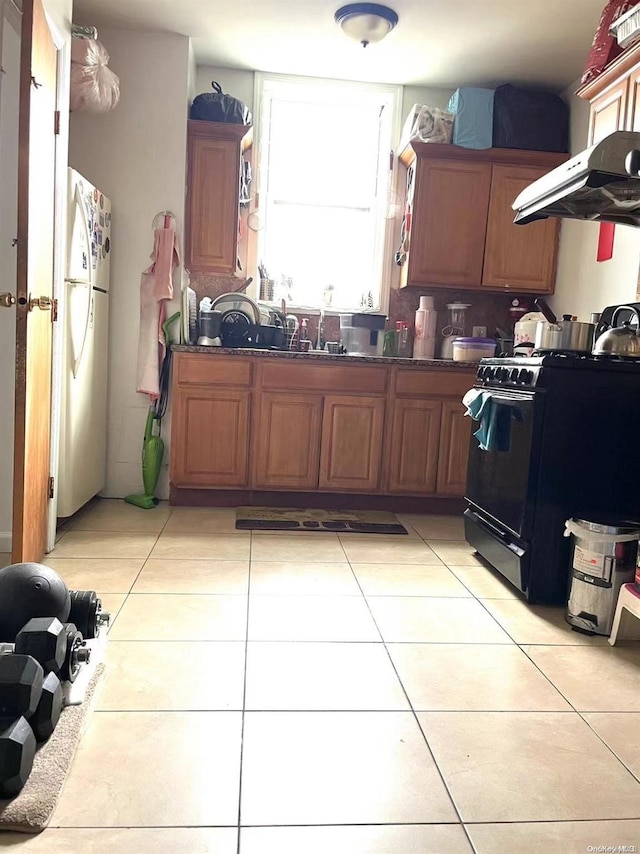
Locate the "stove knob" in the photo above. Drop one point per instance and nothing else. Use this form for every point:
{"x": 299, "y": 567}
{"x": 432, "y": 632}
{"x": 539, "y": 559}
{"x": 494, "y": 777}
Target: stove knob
{"x": 525, "y": 376}
{"x": 503, "y": 374}
{"x": 481, "y": 373}
{"x": 513, "y": 375}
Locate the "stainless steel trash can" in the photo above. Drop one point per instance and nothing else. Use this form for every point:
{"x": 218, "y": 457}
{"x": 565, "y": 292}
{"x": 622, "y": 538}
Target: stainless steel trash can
{"x": 603, "y": 558}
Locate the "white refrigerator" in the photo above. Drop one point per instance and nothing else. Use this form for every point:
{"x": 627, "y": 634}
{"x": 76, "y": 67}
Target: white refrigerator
{"x": 82, "y": 458}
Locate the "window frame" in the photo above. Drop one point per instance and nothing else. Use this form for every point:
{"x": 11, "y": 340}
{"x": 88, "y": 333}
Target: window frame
{"x": 394, "y": 94}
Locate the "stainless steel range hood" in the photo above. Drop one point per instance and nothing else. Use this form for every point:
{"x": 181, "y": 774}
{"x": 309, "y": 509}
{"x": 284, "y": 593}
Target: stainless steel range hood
{"x": 601, "y": 184}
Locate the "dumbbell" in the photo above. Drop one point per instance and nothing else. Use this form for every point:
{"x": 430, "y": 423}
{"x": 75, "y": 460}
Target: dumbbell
{"x": 21, "y": 681}
{"x": 30, "y": 706}
{"x": 58, "y": 647}
{"x": 86, "y": 613}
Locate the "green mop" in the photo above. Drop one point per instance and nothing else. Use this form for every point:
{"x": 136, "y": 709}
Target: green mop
{"x": 153, "y": 444}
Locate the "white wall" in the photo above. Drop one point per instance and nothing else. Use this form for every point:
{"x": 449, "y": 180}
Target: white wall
{"x": 239, "y": 84}
{"x": 584, "y": 285}
{"x": 136, "y": 155}
{"x": 425, "y": 96}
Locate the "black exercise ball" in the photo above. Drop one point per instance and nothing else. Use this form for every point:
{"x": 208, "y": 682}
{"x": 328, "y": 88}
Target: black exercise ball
{"x": 30, "y": 590}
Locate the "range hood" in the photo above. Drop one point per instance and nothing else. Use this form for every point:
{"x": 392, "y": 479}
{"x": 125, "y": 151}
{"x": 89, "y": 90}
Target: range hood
{"x": 600, "y": 184}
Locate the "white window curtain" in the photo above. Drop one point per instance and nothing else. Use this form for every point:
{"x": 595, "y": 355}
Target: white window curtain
{"x": 323, "y": 180}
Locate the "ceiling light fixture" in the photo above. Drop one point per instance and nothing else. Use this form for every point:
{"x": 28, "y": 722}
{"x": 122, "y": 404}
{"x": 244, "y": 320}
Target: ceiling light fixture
{"x": 366, "y": 22}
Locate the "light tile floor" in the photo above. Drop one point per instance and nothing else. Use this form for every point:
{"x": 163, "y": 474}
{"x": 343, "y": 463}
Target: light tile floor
{"x": 314, "y": 693}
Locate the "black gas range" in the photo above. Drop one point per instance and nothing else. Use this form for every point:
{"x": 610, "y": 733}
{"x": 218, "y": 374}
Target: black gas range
{"x": 568, "y": 438}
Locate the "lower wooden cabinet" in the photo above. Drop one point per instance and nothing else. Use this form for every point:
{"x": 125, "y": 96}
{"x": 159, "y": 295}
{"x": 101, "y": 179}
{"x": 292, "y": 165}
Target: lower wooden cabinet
{"x": 455, "y": 430}
{"x": 413, "y": 450}
{"x": 210, "y": 429}
{"x": 287, "y": 442}
{"x": 247, "y": 424}
{"x": 351, "y": 443}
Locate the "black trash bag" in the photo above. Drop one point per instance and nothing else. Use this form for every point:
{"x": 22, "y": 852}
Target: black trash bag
{"x": 217, "y": 107}
{"x": 529, "y": 118}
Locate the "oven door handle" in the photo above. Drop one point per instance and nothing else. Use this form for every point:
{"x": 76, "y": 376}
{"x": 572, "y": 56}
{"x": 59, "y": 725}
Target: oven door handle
{"x": 484, "y": 523}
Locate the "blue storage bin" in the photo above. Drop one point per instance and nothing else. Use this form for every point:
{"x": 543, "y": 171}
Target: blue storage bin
{"x": 473, "y": 123}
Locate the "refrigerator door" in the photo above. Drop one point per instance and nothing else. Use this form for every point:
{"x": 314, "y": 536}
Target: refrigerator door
{"x": 81, "y": 473}
{"x": 82, "y": 464}
{"x": 79, "y": 228}
{"x": 102, "y": 240}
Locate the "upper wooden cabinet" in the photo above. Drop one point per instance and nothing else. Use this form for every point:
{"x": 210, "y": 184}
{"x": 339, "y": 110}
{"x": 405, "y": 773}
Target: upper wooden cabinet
{"x": 517, "y": 256}
{"x": 614, "y": 97}
{"x": 462, "y": 230}
{"x": 442, "y": 225}
{"x": 214, "y": 152}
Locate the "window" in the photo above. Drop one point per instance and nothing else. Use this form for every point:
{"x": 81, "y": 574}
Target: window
{"x": 324, "y": 180}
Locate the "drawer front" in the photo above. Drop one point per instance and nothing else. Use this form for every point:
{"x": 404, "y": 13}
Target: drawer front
{"x": 310, "y": 376}
{"x": 442, "y": 383}
{"x": 201, "y": 369}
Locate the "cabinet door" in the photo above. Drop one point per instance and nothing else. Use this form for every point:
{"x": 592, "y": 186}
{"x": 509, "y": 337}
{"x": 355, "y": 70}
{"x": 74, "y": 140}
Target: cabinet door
{"x": 351, "y": 443}
{"x": 608, "y": 112}
{"x": 288, "y": 441}
{"x": 455, "y": 430}
{"x": 210, "y": 438}
{"x": 451, "y": 200}
{"x": 413, "y": 453}
{"x": 212, "y": 203}
{"x": 522, "y": 257}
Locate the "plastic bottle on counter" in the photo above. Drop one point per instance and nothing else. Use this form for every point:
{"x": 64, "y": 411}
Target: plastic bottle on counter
{"x": 424, "y": 345}
{"x": 304, "y": 342}
{"x": 404, "y": 339}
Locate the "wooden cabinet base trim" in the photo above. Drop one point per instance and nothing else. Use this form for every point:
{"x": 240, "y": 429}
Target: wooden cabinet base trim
{"x": 324, "y": 500}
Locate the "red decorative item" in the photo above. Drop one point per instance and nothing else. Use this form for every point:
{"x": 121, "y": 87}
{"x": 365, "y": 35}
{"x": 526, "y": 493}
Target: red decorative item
{"x": 605, "y": 241}
{"x": 604, "y": 47}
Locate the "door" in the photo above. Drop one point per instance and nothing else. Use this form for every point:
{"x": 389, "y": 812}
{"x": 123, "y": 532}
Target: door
{"x": 516, "y": 256}
{"x": 214, "y": 439}
{"x": 455, "y": 429}
{"x": 288, "y": 441}
{"x": 34, "y": 291}
{"x": 213, "y": 163}
{"x": 608, "y": 112}
{"x": 413, "y": 453}
{"x": 351, "y": 443}
{"x": 451, "y": 200}
{"x": 501, "y": 481}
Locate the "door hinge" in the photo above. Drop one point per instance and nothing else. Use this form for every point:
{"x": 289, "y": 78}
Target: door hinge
{"x": 52, "y": 484}
{"x": 54, "y": 311}
{"x": 56, "y": 122}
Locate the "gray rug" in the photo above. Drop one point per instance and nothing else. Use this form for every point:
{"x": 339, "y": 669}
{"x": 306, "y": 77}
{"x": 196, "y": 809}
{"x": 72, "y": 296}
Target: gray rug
{"x": 31, "y": 810}
{"x": 332, "y": 521}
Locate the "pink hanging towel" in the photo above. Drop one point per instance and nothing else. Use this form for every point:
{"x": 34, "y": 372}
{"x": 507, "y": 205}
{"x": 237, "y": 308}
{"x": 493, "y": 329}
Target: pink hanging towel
{"x": 156, "y": 287}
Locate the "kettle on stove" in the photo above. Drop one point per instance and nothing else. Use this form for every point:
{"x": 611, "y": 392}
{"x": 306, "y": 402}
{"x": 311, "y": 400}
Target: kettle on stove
{"x": 621, "y": 341}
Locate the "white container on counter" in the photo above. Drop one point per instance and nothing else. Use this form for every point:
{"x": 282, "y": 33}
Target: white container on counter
{"x": 473, "y": 349}
{"x": 424, "y": 345}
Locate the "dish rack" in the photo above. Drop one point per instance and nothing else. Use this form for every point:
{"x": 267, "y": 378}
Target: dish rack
{"x": 626, "y": 28}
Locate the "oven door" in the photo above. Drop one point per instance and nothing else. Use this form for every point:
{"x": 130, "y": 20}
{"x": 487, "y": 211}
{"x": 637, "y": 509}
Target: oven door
{"x": 502, "y": 484}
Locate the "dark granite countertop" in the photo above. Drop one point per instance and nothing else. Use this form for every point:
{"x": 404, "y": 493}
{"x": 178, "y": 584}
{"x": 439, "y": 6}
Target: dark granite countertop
{"x": 324, "y": 357}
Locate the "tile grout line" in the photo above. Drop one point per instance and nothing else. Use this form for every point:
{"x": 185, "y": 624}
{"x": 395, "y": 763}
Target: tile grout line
{"x": 413, "y": 712}
{"x": 244, "y": 693}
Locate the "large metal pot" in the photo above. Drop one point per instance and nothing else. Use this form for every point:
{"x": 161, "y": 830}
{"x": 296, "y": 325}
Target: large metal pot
{"x": 562, "y": 336}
